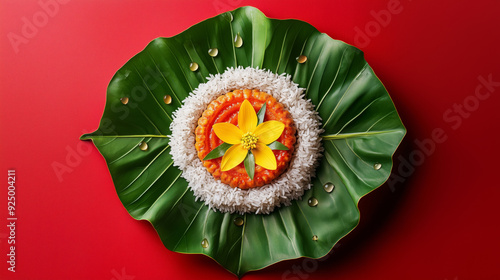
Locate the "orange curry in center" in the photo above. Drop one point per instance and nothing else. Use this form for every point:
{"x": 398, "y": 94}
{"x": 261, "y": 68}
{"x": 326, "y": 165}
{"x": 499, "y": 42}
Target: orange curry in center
{"x": 225, "y": 109}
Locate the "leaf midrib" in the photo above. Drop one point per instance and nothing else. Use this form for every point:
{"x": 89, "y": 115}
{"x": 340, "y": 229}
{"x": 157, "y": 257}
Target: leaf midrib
{"x": 357, "y": 134}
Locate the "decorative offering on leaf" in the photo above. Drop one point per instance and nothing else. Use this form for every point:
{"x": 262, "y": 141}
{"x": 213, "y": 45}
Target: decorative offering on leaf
{"x": 253, "y": 153}
{"x": 248, "y": 139}
{"x": 199, "y": 150}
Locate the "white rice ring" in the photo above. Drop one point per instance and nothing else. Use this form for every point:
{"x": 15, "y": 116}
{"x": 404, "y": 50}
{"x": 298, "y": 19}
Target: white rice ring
{"x": 281, "y": 191}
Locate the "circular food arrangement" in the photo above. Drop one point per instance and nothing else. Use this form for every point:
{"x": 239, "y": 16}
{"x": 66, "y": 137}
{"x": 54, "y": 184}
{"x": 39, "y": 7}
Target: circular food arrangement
{"x": 210, "y": 125}
{"x": 227, "y": 109}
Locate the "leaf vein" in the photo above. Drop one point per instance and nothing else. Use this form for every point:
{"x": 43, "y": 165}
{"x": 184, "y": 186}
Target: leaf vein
{"x": 150, "y": 92}
{"x": 344, "y": 94}
{"x": 364, "y": 109}
{"x": 188, "y": 227}
{"x": 333, "y": 82}
{"x": 145, "y": 168}
{"x": 126, "y": 153}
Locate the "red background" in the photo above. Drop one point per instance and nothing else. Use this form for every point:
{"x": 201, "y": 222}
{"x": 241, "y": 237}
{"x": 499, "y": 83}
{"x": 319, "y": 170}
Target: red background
{"x": 439, "y": 221}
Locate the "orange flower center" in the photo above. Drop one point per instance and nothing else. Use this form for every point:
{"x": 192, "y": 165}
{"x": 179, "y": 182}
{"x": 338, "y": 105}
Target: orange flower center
{"x": 249, "y": 141}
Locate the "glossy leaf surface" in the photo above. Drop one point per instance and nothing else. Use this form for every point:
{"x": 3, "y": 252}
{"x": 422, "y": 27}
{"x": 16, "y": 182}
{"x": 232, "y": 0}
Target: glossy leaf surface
{"x": 362, "y": 131}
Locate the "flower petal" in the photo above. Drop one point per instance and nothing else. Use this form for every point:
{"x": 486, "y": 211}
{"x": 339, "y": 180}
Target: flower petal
{"x": 264, "y": 157}
{"x": 234, "y": 156}
{"x": 269, "y": 131}
{"x": 247, "y": 118}
{"x": 228, "y": 132}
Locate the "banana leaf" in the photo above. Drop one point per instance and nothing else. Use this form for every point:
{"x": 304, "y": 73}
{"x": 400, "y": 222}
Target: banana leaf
{"x": 362, "y": 130}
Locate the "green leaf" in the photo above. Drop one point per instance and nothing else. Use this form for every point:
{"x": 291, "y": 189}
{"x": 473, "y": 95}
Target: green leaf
{"x": 218, "y": 151}
{"x": 361, "y": 130}
{"x": 250, "y": 165}
{"x": 277, "y": 146}
{"x": 261, "y": 114}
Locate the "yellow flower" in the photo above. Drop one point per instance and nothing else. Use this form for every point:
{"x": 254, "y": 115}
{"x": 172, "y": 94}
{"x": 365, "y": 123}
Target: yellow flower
{"x": 249, "y": 137}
